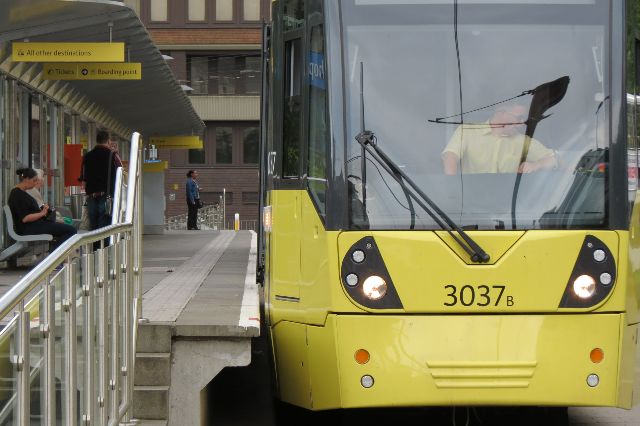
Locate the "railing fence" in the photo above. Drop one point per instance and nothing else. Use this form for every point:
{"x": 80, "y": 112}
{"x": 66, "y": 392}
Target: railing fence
{"x": 67, "y": 350}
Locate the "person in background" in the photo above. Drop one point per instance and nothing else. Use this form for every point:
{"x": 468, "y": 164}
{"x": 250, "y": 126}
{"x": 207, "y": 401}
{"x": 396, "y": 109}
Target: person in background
{"x": 113, "y": 144}
{"x": 29, "y": 217}
{"x": 37, "y": 195}
{"x": 35, "y": 191}
{"x": 193, "y": 200}
{"x": 98, "y": 175}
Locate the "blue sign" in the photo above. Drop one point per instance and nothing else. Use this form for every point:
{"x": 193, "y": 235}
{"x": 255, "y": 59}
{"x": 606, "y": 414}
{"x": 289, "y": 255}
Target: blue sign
{"x": 317, "y": 70}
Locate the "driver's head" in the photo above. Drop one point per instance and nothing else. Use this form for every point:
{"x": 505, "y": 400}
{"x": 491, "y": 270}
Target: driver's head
{"x": 508, "y": 120}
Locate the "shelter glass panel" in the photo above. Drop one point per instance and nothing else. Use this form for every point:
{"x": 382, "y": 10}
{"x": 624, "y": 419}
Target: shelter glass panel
{"x": 34, "y": 133}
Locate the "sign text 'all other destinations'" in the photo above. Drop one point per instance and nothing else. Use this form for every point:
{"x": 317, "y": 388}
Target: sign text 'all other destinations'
{"x": 67, "y": 52}
{"x": 98, "y": 71}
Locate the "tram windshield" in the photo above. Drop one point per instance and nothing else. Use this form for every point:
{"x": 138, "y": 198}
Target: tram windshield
{"x": 465, "y": 97}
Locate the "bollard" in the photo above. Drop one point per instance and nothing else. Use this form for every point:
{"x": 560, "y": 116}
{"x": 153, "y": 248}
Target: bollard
{"x": 236, "y": 222}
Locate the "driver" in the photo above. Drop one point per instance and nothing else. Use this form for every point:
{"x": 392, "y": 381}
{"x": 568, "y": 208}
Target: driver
{"x": 495, "y": 146}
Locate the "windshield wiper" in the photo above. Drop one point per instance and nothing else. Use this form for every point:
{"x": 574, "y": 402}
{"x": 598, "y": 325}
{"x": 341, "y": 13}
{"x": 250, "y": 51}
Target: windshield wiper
{"x": 367, "y": 140}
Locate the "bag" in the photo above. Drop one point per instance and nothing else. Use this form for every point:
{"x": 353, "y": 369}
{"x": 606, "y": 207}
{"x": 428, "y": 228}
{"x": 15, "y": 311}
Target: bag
{"x": 51, "y": 215}
{"x": 199, "y": 204}
{"x": 109, "y": 201}
{"x": 85, "y": 224}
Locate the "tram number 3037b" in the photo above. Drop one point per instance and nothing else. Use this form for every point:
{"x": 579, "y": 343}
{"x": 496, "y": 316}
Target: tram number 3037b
{"x": 482, "y": 295}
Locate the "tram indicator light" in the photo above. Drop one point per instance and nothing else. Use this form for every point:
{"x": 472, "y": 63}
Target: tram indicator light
{"x": 596, "y": 355}
{"x": 362, "y": 356}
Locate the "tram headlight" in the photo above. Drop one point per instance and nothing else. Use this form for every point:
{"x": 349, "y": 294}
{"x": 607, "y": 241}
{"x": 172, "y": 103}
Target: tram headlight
{"x": 374, "y": 287}
{"x": 365, "y": 277}
{"x": 593, "y": 277}
{"x": 584, "y": 286}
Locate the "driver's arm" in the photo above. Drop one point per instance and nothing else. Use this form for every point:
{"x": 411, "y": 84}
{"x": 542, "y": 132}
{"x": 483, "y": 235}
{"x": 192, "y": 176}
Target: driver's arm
{"x": 450, "y": 163}
{"x": 547, "y": 162}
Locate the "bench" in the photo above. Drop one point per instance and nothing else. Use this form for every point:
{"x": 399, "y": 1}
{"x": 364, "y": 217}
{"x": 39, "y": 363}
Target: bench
{"x": 21, "y": 241}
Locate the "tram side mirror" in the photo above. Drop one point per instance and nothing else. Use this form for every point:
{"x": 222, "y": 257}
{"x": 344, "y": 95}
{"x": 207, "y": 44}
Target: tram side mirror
{"x": 545, "y": 96}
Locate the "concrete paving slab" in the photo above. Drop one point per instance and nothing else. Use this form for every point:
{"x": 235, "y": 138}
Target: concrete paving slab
{"x": 166, "y": 300}
{"x": 216, "y": 308}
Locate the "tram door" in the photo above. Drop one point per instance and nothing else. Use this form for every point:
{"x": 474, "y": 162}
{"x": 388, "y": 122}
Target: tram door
{"x": 287, "y": 240}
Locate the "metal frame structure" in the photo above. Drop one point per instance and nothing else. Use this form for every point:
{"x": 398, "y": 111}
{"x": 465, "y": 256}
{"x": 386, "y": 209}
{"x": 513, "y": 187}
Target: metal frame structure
{"x": 73, "y": 332}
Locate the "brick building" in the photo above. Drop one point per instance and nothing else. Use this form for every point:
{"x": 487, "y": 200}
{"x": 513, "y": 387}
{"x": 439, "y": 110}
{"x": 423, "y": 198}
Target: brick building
{"x": 215, "y": 46}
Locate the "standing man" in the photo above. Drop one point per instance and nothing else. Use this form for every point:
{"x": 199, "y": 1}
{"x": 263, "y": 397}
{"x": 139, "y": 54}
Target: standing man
{"x": 193, "y": 200}
{"x": 98, "y": 174}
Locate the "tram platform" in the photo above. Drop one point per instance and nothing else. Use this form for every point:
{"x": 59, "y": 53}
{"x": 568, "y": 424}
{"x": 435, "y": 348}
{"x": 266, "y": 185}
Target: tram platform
{"x": 200, "y": 312}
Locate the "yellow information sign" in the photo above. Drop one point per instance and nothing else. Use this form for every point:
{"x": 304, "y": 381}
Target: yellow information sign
{"x": 176, "y": 142}
{"x": 155, "y": 166}
{"x": 67, "y": 52}
{"x": 97, "y": 71}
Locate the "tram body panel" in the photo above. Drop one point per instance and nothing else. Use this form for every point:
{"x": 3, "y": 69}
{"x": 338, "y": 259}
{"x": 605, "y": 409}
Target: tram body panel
{"x": 315, "y": 338}
{"x": 531, "y": 276}
{"x": 460, "y": 360}
{"x": 631, "y": 244}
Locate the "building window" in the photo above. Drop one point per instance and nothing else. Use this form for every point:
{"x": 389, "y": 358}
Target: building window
{"x": 250, "y": 75}
{"x": 199, "y": 75}
{"x": 158, "y": 10}
{"x": 226, "y": 68}
{"x": 249, "y": 198}
{"x": 196, "y": 156}
{"x": 250, "y": 145}
{"x": 251, "y": 10}
{"x": 224, "y": 145}
{"x": 225, "y": 75}
{"x": 224, "y": 10}
{"x": 197, "y": 10}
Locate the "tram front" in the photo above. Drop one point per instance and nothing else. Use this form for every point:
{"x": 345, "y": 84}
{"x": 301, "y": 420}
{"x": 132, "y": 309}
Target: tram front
{"x": 467, "y": 229}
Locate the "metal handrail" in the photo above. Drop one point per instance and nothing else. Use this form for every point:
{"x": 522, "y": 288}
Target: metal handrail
{"x": 33, "y": 278}
{"x": 108, "y": 297}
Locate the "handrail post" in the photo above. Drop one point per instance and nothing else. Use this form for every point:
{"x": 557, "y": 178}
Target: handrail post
{"x": 47, "y": 328}
{"x": 126, "y": 326}
{"x": 102, "y": 282}
{"x": 88, "y": 304}
{"x": 70, "y": 342}
{"x": 22, "y": 365}
{"x": 115, "y": 331}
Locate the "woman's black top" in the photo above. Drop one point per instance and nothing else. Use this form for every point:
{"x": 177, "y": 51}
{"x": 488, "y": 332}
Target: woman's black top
{"x": 21, "y": 205}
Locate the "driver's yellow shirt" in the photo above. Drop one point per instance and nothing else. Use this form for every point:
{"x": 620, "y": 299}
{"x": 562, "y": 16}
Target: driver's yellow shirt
{"x": 482, "y": 151}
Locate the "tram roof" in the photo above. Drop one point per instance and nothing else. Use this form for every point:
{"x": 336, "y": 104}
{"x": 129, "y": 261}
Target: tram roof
{"x": 154, "y": 105}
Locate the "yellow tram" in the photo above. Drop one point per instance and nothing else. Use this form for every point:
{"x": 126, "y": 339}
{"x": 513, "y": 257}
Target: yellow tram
{"x": 449, "y": 195}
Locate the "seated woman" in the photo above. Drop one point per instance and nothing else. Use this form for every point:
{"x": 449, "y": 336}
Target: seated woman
{"x": 28, "y": 217}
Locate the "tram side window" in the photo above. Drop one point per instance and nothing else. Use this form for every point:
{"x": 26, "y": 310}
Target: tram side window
{"x": 318, "y": 123}
{"x": 292, "y": 114}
